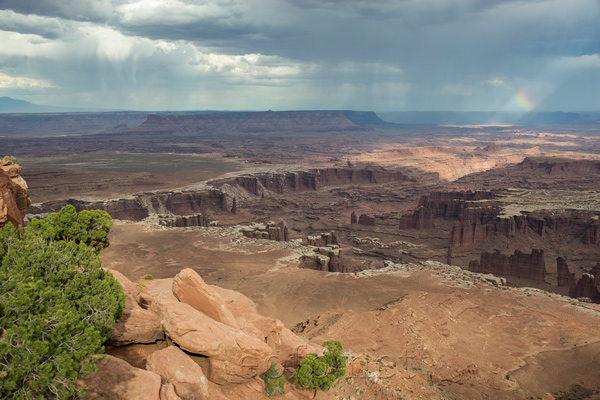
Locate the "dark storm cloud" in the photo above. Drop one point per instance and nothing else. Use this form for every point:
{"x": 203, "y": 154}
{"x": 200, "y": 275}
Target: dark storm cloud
{"x": 380, "y": 54}
{"x": 78, "y": 10}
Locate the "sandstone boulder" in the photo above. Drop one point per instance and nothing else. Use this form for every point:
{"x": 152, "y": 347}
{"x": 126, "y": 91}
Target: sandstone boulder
{"x": 136, "y": 326}
{"x": 234, "y": 356}
{"x": 190, "y": 288}
{"x": 130, "y": 288}
{"x": 117, "y": 380}
{"x": 167, "y": 392}
{"x": 175, "y": 367}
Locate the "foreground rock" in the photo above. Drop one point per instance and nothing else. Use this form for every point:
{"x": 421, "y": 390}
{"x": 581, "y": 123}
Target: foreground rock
{"x": 177, "y": 369}
{"x": 225, "y": 347}
{"x": 189, "y": 288}
{"x": 118, "y": 380}
{"x": 136, "y": 326}
{"x": 14, "y": 197}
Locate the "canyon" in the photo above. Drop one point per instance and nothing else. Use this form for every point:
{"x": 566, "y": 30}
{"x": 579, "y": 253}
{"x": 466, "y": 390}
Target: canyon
{"x": 473, "y": 250}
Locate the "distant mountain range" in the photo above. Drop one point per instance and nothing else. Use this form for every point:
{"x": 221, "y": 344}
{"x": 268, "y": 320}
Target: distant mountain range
{"x": 9, "y": 105}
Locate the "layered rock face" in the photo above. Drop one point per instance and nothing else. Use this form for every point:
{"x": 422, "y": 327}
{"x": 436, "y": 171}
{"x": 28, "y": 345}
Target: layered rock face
{"x": 560, "y": 166}
{"x": 518, "y": 265}
{"x": 328, "y": 259}
{"x": 283, "y": 121}
{"x": 14, "y": 197}
{"x": 586, "y": 287}
{"x": 272, "y": 231}
{"x": 421, "y": 219}
{"x": 313, "y": 179}
{"x": 214, "y": 339}
{"x": 322, "y": 240}
{"x": 367, "y": 220}
{"x": 194, "y": 205}
{"x": 592, "y": 234}
{"x": 184, "y": 221}
{"x": 563, "y": 276}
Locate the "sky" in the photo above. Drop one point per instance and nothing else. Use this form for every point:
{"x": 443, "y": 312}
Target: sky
{"x": 378, "y": 55}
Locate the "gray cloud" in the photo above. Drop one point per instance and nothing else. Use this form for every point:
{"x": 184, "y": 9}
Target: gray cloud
{"x": 376, "y": 54}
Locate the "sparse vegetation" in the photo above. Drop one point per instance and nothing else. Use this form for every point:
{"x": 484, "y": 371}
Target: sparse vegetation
{"x": 274, "y": 381}
{"x": 57, "y": 308}
{"x": 148, "y": 277}
{"x": 316, "y": 373}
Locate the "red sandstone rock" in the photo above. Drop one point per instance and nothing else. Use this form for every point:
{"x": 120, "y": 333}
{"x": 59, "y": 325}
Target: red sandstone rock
{"x": 353, "y": 219}
{"x": 519, "y": 265}
{"x": 136, "y": 326}
{"x": 234, "y": 357}
{"x": 563, "y": 276}
{"x": 365, "y": 219}
{"x": 167, "y": 392}
{"x": 322, "y": 240}
{"x": 271, "y": 231}
{"x": 184, "y": 221}
{"x": 176, "y": 368}
{"x": 586, "y": 287}
{"x": 592, "y": 234}
{"x": 421, "y": 219}
{"x": 118, "y": 380}
{"x": 189, "y": 288}
{"x": 14, "y": 197}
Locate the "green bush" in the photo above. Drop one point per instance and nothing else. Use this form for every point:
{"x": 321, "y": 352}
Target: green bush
{"x": 88, "y": 227}
{"x": 148, "y": 277}
{"x": 316, "y": 373}
{"x": 57, "y": 308}
{"x": 274, "y": 381}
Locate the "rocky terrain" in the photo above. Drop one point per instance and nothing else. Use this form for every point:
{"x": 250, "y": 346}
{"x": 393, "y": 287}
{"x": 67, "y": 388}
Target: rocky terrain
{"x": 452, "y": 262}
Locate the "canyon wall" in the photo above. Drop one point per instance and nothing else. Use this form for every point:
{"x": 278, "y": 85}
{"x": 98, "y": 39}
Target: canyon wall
{"x": 518, "y": 265}
{"x": 313, "y": 179}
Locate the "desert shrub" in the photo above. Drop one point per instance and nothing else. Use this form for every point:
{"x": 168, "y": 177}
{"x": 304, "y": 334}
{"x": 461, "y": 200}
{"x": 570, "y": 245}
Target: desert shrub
{"x": 148, "y": 277}
{"x": 57, "y": 308}
{"x": 90, "y": 227}
{"x": 274, "y": 381}
{"x": 316, "y": 373}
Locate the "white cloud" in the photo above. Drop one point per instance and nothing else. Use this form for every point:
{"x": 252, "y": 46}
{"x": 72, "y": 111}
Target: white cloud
{"x": 20, "y": 82}
{"x": 171, "y": 12}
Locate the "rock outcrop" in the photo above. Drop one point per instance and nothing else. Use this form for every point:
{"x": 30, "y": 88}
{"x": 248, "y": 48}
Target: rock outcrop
{"x": 194, "y": 206}
{"x": 367, "y": 220}
{"x": 586, "y": 287}
{"x": 327, "y": 259}
{"x": 190, "y": 288}
{"x": 518, "y": 265}
{"x": 312, "y": 179}
{"x": 421, "y": 219}
{"x": 184, "y": 221}
{"x": 271, "y": 230}
{"x": 322, "y": 240}
{"x": 14, "y": 197}
{"x": 563, "y": 276}
{"x": 117, "y": 380}
{"x": 592, "y": 234}
{"x": 216, "y": 344}
{"x": 353, "y": 219}
{"x": 179, "y": 370}
{"x": 136, "y": 326}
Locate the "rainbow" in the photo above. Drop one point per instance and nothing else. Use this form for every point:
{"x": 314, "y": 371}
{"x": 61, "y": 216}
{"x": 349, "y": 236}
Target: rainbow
{"x": 522, "y": 101}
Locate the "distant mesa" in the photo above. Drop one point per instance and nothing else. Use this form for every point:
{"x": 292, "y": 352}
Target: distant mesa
{"x": 269, "y": 121}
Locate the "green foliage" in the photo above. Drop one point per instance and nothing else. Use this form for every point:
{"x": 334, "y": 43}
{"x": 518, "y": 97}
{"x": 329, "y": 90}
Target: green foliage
{"x": 321, "y": 374}
{"x": 274, "y": 381}
{"x": 88, "y": 227}
{"x": 57, "y": 308}
{"x": 148, "y": 277}
{"x": 13, "y": 159}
